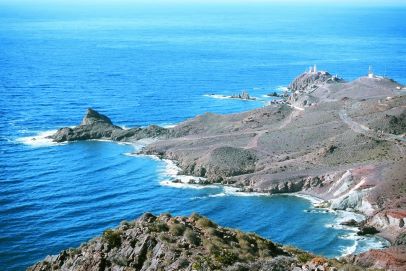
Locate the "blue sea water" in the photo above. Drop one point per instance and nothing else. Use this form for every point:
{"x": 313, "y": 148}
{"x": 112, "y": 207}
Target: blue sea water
{"x": 155, "y": 66}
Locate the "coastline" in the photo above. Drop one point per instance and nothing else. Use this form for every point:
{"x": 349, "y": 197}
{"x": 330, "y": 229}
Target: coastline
{"x": 169, "y": 176}
{"x": 376, "y": 241}
{"x": 303, "y": 147}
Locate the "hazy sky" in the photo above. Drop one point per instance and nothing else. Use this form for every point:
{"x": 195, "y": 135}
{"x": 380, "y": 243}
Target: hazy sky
{"x": 122, "y": 2}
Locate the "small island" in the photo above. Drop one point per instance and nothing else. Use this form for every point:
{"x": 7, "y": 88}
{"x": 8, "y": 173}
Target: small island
{"x": 242, "y": 96}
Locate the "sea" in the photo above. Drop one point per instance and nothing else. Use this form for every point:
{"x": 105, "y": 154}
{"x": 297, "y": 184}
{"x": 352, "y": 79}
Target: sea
{"x": 162, "y": 64}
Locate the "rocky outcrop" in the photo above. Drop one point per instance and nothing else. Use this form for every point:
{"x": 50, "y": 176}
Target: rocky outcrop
{"x": 98, "y": 126}
{"x": 243, "y": 96}
{"x": 391, "y": 259}
{"x": 93, "y": 117}
{"x": 304, "y": 85}
{"x": 309, "y": 81}
{"x": 182, "y": 243}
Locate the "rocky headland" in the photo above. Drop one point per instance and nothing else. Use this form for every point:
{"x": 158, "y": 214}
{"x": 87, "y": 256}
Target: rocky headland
{"x": 184, "y": 243}
{"x": 343, "y": 142}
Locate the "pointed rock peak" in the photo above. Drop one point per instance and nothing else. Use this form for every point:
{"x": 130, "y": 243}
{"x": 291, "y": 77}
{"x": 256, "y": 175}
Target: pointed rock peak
{"x": 92, "y": 116}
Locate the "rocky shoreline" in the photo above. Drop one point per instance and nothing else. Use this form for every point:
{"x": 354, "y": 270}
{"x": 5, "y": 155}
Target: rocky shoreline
{"x": 184, "y": 243}
{"x": 343, "y": 142}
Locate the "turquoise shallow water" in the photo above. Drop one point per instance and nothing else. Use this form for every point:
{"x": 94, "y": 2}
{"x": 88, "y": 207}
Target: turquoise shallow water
{"x": 156, "y": 66}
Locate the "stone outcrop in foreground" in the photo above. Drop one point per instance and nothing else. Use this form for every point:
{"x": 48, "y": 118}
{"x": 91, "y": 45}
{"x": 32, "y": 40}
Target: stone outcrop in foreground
{"x": 183, "y": 243}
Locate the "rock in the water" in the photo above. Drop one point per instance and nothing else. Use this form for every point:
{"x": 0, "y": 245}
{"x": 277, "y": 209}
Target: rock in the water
{"x": 94, "y": 126}
{"x": 98, "y": 126}
{"x": 243, "y": 96}
{"x": 350, "y": 223}
{"x": 367, "y": 230}
{"x": 93, "y": 117}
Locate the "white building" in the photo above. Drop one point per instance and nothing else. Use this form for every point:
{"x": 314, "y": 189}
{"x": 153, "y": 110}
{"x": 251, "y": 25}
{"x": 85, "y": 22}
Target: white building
{"x": 370, "y": 73}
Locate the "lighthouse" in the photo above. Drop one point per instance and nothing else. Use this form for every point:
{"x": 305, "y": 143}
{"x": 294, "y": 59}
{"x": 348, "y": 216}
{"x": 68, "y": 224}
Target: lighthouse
{"x": 370, "y": 73}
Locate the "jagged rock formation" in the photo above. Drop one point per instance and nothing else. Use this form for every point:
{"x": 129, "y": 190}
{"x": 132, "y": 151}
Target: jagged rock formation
{"x": 243, "y": 96}
{"x": 98, "y": 126}
{"x": 182, "y": 243}
{"x": 93, "y": 117}
{"x": 309, "y": 81}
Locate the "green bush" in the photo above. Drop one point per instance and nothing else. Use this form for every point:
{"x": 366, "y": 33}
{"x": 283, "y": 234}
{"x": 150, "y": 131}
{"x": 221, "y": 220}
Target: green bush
{"x": 158, "y": 227}
{"x": 165, "y": 237}
{"x": 192, "y": 237}
{"x": 204, "y": 223}
{"x": 113, "y": 238}
{"x": 177, "y": 229}
{"x": 213, "y": 232}
{"x": 226, "y": 257}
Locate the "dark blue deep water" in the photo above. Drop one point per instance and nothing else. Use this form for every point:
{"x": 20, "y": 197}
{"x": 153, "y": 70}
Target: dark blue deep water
{"x": 154, "y": 65}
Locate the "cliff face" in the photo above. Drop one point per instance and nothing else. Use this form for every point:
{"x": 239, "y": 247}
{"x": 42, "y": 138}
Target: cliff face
{"x": 182, "y": 243}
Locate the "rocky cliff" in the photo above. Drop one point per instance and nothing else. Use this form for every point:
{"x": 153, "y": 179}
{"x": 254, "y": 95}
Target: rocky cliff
{"x": 183, "y": 243}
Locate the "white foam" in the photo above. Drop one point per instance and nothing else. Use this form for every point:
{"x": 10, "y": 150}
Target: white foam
{"x": 217, "y": 96}
{"x": 282, "y": 88}
{"x": 343, "y": 216}
{"x": 183, "y": 185}
{"x": 39, "y": 140}
{"x": 222, "y": 97}
{"x": 170, "y": 173}
{"x": 362, "y": 243}
{"x": 169, "y": 125}
{"x": 234, "y": 191}
{"x": 350, "y": 250}
{"x": 173, "y": 179}
{"x": 314, "y": 200}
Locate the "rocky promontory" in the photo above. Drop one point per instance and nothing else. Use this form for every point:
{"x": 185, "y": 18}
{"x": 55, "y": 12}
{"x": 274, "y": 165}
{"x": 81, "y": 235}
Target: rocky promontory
{"x": 98, "y": 126}
{"x": 344, "y": 142}
{"x": 184, "y": 243}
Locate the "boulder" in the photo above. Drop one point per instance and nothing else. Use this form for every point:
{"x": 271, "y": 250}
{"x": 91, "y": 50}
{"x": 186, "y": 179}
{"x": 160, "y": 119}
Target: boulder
{"x": 367, "y": 230}
{"x": 350, "y": 223}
